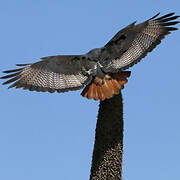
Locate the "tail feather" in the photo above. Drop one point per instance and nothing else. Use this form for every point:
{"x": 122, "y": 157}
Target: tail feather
{"x": 101, "y": 89}
{"x": 106, "y": 90}
{"x": 100, "y": 93}
{"x": 91, "y": 91}
{"x": 96, "y": 97}
{"x": 110, "y": 85}
{"x": 116, "y": 86}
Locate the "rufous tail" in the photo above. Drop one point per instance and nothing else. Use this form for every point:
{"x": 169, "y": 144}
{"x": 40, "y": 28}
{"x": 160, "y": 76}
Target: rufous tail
{"x": 101, "y": 89}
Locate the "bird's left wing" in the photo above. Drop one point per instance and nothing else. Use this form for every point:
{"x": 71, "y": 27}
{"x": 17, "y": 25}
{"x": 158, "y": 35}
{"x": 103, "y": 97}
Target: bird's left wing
{"x": 53, "y": 73}
{"x": 132, "y": 43}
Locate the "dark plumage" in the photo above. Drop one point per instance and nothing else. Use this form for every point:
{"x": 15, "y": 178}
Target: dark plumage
{"x": 101, "y": 69}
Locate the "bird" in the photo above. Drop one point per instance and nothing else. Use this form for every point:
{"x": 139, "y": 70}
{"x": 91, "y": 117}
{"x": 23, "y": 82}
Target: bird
{"x": 102, "y": 72}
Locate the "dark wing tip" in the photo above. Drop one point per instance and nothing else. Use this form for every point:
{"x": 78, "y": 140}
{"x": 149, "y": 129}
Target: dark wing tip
{"x": 14, "y": 76}
{"x": 13, "y": 70}
{"x": 154, "y": 16}
{"x": 172, "y": 28}
{"x": 165, "y": 16}
{"x": 9, "y": 76}
{"x": 170, "y": 23}
{"x": 22, "y": 64}
{"x": 168, "y": 20}
{"x": 11, "y": 80}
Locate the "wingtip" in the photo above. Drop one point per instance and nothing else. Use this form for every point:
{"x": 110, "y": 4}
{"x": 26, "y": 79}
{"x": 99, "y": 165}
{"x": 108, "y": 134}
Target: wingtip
{"x": 162, "y": 17}
{"x": 10, "y": 87}
{"x": 168, "y": 16}
{"x": 154, "y": 16}
{"x": 171, "y": 14}
{"x": 22, "y": 64}
{"x": 7, "y": 71}
{"x": 3, "y": 77}
{"x": 13, "y": 70}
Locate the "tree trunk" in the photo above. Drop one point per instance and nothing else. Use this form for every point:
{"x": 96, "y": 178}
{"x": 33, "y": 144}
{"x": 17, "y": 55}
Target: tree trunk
{"x": 108, "y": 148}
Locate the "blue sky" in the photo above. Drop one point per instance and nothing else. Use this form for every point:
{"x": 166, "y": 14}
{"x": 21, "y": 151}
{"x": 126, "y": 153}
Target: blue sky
{"x": 51, "y": 136}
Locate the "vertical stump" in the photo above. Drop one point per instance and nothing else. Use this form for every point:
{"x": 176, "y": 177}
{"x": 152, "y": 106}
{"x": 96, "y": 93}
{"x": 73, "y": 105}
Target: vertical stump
{"x": 108, "y": 147}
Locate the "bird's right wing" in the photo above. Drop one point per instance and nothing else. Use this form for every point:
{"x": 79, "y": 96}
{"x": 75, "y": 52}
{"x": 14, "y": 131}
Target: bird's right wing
{"x": 53, "y": 73}
{"x": 132, "y": 43}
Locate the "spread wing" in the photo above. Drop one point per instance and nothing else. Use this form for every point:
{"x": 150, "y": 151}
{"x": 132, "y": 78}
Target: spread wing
{"x": 132, "y": 43}
{"x": 53, "y": 73}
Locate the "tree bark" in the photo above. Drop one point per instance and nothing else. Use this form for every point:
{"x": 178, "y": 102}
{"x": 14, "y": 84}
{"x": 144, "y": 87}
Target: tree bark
{"x": 108, "y": 147}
